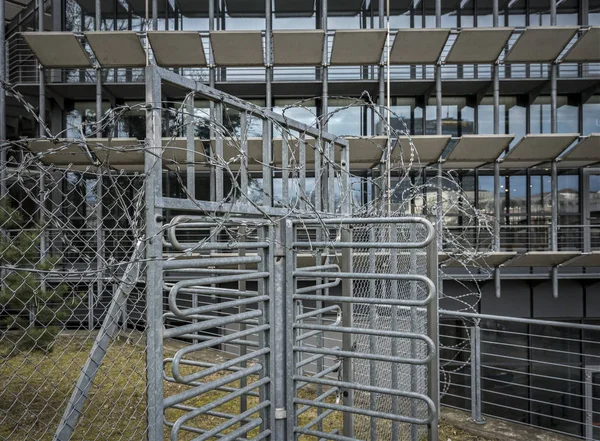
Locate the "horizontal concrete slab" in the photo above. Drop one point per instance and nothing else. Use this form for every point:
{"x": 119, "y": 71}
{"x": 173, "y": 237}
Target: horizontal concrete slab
{"x": 298, "y": 47}
{"x": 418, "y": 46}
{"x": 538, "y": 148}
{"x": 177, "y": 48}
{"x": 479, "y": 45}
{"x": 475, "y": 150}
{"x": 541, "y": 258}
{"x": 587, "y": 48}
{"x": 117, "y": 49}
{"x": 586, "y": 152}
{"x": 541, "y": 44}
{"x": 57, "y": 49}
{"x": 424, "y": 150}
{"x": 357, "y": 47}
{"x": 237, "y": 48}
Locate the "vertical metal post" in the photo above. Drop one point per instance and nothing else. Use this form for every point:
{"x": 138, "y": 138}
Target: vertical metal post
{"x": 285, "y": 186}
{"x": 3, "y": 148}
{"x": 99, "y": 246}
{"x": 322, "y": 176}
{"x": 154, "y": 277}
{"x": 497, "y": 207}
{"x": 154, "y": 15}
{"x": 438, "y": 73}
{"x": 381, "y": 97}
{"x": 267, "y": 147}
{"x": 190, "y": 146}
{"x": 347, "y": 371}
{"x": 440, "y": 206}
{"x": 495, "y": 13}
{"x": 302, "y": 178}
{"x": 211, "y": 83}
{"x": 242, "y": 309}
{"x": 218, "y": 153}
{"x": 554, "y": 193}
{"x": 373, "y": 229}
{"x": 433, "y": 373}
{"x": 414, "y": 318}
{"x": 283, "y": 361}
{"x": 244, "y": 155}
{"x": 42, "y": 83}
{"x": 476, "y": 374}
{"x": 97, "y": 24}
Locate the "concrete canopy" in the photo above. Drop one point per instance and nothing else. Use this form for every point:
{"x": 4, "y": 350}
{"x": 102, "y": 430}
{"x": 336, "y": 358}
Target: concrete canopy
{"x": 298, "y": 48}
{"x": 587, "y": 48}
{"x": 237, "y": 48}
{"x": 418, "y": 46}
{"x": 479, "y": 45}
{"x": 586, "y": 152}
{"x": 427, "y": 149}
{"x": 118, "y": 153}
{"x": 541, "y": 44}
{"x": 586, "y": 259}
{"x": 57, "y": 49}
{"x": 177, "y": 48}
{"x": 490, "y": 260}
{"x": 541, "y": 258}
{"x": 475, "y": 150}
{"x": 537, "y": 148}
{"x": 175, "y": 154}
{"x": 357, "y": 47}
{"x": 117, "y": 49}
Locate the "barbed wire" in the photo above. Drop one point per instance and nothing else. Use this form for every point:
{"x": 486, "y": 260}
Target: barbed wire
{"x": 34, "y": 175}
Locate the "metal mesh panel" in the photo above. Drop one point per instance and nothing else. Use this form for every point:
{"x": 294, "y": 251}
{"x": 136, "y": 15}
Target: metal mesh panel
{"x": 70, "y": 244}
{"x": 387, "y": 375}
{"x": 362, "y": 365}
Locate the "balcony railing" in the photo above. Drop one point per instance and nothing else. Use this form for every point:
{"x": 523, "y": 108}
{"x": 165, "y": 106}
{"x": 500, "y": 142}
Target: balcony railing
{"x": 534, "y": 372}
{"x": 523, "y": 238}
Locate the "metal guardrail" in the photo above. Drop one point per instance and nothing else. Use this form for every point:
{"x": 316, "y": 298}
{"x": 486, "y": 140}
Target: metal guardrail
{"x": 524, "y": 238}
{"x": 534, "y": 372}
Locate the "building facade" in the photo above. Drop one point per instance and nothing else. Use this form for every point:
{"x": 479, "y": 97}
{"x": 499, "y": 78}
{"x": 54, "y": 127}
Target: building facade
{"x": 509, "y": 91}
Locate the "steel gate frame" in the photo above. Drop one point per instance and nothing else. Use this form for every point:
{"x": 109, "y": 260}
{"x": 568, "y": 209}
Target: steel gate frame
{"x": 279, "y": 378}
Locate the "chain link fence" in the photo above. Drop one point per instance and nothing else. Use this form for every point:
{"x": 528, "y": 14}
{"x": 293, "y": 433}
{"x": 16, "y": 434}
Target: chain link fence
{"x": 67, "y": 238}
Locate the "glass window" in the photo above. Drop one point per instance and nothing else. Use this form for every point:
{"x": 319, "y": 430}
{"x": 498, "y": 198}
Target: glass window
{"x": 541, "y": 196}
{"x": 568, "y": 194}
{"x": 566, "y": 116}
{"x": 515, "y": 13}
{"x": 304, "y": 111}
{"x": 485, "y": 122}
{"x": 591, "y": 115}
{"x": 485, "y": 193}
{"x": 345, "y": 117}
{"x": 567, "y": 12}
{"x": 516, "y": 196}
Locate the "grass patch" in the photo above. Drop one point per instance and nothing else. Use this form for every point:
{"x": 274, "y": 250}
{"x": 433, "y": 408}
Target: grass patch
{"x": 35, "y": 389}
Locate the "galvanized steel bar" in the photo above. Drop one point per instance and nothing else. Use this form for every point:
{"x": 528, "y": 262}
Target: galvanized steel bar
{"x": 347, "y": 322}
{"x": 3, "y": 147}
{"x": 302, "y": 194}
{"x": 244, "y": 155}
{"x": 433, "y": 372}
{"x": 476, "y": 374}
{"x": 190, "y": 147}
{"x": 372, "y": 338}
{"x": 154, "y": 276}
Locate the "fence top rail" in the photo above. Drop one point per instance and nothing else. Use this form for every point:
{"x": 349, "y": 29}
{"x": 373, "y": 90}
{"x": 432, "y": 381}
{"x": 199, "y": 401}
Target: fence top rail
{"x": 458, "y": 314}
